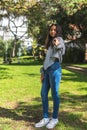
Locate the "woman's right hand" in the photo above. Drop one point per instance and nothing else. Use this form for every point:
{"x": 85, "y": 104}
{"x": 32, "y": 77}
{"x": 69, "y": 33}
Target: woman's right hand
{"x": 42, "y": 77}
{"x": 56, "y": 42}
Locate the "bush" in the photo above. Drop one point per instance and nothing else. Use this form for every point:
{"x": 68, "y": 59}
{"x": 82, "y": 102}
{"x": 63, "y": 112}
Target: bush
{"x": 74, "y": 55}
{"x": 38, "y": 52}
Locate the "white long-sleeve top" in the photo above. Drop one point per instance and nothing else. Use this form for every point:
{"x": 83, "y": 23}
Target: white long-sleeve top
{"x": 54, "y": 52}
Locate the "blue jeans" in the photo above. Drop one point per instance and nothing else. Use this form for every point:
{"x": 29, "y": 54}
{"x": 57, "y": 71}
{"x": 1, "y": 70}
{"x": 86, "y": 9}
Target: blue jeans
{"x": 51, "y": 80}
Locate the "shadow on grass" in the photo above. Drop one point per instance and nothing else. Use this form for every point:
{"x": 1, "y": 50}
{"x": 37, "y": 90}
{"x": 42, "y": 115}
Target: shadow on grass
{"x": 33, "y": 113}
{"x": 27, "y": 63}
{"x": 74, "y": 100}
{"x": 31, "y": 74}
{"x": 74, "y": 76}
{"x": 4, "y": 73}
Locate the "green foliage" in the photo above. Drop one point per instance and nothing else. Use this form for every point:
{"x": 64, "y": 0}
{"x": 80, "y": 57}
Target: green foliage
{"x": 41, "y": 14}
{"x": 62, "y": 12}
{"x": 2, "y": 47}
{"x": 6, "y": 49}
{"x": 17, "y": 8}
{"x": 74, "y": 55}
{"x": 38, "y": 52}
{"x": 37, "y": 23}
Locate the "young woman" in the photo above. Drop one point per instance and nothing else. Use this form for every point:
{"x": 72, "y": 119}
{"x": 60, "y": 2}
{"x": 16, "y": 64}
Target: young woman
{"x": 51, "y": 75}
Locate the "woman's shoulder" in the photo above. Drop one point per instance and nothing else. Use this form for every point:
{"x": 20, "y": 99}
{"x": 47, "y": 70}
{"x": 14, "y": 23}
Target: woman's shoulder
{"x": 60, "y": 39}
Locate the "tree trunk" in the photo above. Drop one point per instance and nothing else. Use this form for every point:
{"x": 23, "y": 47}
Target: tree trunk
{"x": 14, "y": 47}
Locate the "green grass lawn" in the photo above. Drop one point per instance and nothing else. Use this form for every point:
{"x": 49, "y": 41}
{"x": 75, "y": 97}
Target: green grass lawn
{"x": 20, "y": 102}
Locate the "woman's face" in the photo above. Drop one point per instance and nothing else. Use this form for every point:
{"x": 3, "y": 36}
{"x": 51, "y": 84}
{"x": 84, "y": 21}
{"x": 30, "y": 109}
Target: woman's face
{"x": 53, "y": 31}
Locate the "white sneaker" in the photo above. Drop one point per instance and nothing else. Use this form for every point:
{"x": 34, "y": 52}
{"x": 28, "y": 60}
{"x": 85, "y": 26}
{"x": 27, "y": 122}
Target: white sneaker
{"x": 42, "y": 123}
{"x": 53, "y": 122}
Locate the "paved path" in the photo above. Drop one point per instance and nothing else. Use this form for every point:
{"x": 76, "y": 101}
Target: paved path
{"x": 77, "y": 69}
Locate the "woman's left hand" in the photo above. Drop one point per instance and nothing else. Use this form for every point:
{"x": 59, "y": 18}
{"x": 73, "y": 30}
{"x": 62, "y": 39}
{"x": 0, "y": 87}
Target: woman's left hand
{"x": 42, "y": 77}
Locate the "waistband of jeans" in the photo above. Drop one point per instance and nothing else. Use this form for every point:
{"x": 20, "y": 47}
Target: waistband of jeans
{"x": 53, "y": 64}
{"x": 56, "y": 60}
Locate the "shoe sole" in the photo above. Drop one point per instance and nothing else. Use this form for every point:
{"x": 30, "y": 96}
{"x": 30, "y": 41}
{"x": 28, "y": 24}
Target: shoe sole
{"x": 42, "y": 125}
{"x": 51, "y": 127}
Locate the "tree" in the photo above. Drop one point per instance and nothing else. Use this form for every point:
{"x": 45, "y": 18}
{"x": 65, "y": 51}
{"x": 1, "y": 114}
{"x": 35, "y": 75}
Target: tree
{"x": 14, "y": 20}
{"x": 13, "y": 11}
{"x": 41, "y": 14}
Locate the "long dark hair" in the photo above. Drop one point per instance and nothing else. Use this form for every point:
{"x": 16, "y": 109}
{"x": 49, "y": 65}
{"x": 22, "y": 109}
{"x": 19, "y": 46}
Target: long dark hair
{"x": 49, "y": 39}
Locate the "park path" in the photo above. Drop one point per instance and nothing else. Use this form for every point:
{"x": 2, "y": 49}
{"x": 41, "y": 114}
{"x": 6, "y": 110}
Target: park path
{"x": 77, "y": 69}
